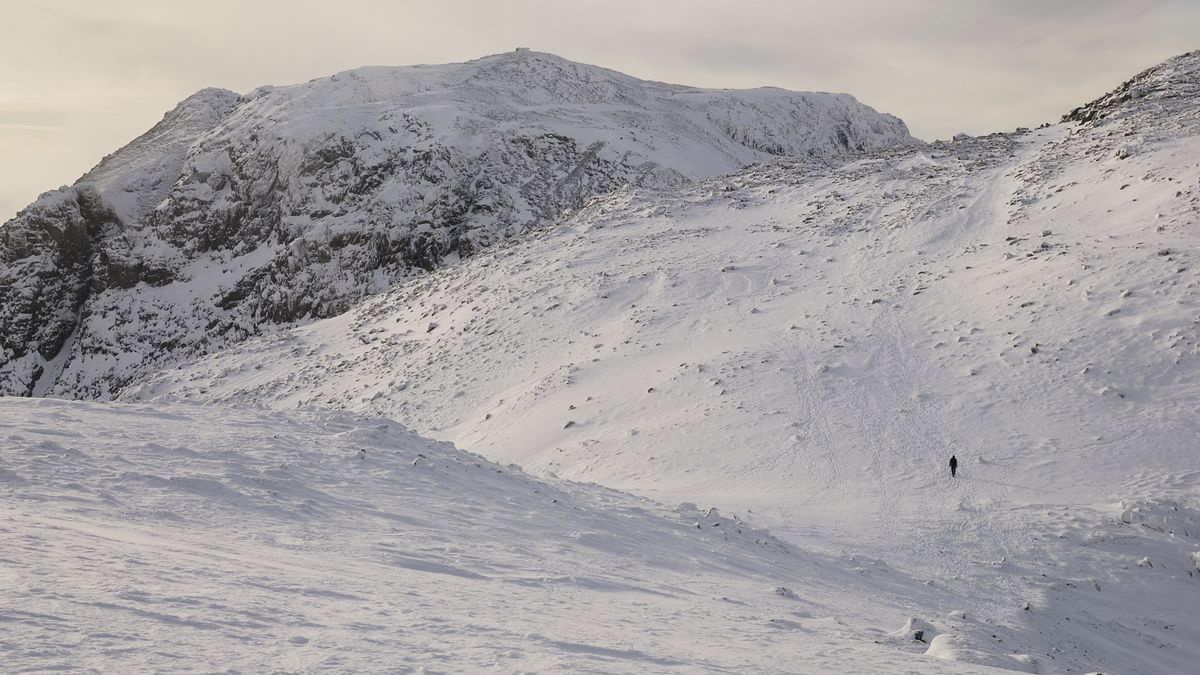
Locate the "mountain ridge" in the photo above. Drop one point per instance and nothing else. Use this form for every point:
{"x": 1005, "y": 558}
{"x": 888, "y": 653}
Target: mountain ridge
{"x": 1178, "y": 76}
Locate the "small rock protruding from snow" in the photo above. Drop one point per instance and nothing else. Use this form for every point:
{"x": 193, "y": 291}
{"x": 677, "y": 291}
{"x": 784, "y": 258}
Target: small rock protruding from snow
{"x": 917, "y": 630}
{"x": 785, "y": 592}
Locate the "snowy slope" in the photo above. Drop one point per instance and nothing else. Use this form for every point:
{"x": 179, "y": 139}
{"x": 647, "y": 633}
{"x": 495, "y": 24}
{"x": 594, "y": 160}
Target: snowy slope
{"x": 179, "y": 538}
{"x": 294, "y": 202}
{"x": 808, "y": 342}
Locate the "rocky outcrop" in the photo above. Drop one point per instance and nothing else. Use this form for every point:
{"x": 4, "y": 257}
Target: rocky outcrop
{"x": 1177, "y": 79}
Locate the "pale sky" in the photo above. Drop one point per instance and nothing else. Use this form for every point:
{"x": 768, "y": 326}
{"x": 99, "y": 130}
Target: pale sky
{"x": 80, "y": 78}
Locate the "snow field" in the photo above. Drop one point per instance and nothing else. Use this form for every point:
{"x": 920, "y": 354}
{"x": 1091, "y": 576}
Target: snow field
{"x": 194, "y": 539}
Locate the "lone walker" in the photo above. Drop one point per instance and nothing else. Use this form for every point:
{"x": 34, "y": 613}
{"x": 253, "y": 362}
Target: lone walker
{"x": 953, "y": 466}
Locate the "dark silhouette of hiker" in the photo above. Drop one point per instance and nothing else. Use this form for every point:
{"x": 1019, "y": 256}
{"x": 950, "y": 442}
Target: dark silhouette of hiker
{"x": 953, "y": 466}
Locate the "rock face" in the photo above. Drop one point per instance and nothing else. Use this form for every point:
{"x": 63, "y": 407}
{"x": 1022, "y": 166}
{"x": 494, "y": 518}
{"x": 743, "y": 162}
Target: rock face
{"x": 291, "y": 203}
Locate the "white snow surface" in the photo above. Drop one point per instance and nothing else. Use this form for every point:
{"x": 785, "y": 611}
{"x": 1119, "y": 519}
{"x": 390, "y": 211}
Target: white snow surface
{"x": 807, "y": 343}
{"x": 175, "y": 538}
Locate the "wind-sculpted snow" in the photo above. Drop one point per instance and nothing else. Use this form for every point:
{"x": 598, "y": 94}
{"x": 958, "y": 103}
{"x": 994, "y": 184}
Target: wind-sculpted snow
{"x": 181, "y": 538}
{"x": 292, "y": 203}
{"x": 809, "y": 341}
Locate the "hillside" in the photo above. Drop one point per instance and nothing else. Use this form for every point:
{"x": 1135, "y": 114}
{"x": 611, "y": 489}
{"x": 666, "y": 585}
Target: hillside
{"x": 808, "y": 341}
{"x": 292, "y": 203}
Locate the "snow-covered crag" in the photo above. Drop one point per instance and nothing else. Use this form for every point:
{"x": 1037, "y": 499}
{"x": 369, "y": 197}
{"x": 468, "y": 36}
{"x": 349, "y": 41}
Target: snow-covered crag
{"x": 294, "y": 202}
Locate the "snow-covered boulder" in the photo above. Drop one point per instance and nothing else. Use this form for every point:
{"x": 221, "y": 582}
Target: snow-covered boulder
{"x": 964, "y": 648}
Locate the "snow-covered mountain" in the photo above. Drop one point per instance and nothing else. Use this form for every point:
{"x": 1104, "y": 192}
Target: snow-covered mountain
{"x": 803, "y": 344}
{"x": 295, "y": 202}
{"x": 808, "y": 341}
